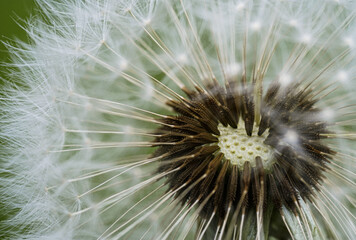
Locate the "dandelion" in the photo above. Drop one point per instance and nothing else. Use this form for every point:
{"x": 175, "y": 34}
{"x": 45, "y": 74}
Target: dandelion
{"x": 181, "y": 119}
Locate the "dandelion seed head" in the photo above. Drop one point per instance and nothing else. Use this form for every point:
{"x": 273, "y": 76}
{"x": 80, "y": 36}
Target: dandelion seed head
{"x": 209, "y": 143}
{"x": 125, "y": 116}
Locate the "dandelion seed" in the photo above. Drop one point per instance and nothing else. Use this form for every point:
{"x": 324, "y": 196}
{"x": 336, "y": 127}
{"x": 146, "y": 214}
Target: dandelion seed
{"x": 181, "y": 120}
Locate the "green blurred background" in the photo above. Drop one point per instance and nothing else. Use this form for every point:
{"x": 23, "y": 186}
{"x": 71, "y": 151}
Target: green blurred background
{"x": 12, "y": 11}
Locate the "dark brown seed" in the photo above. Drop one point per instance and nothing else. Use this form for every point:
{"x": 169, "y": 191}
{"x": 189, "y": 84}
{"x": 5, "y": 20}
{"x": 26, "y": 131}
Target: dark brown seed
{"x": 193, "y": 134}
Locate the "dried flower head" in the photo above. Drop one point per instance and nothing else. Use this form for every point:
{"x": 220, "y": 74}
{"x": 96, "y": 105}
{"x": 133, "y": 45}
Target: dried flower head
{"x": 182, "y": 119}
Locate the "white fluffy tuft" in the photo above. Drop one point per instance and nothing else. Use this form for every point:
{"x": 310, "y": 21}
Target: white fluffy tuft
{"x": 79, "y": 108}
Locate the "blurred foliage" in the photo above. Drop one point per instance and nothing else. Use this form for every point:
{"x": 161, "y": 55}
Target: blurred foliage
{"x": 13, "y": 14}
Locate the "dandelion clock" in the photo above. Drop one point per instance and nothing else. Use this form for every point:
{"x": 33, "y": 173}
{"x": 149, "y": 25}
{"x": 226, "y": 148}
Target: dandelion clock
{"x": 181, "y": 119}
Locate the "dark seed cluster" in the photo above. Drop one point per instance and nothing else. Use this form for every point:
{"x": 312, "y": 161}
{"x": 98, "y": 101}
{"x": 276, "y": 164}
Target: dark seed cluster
{"x": 199, "y": 170}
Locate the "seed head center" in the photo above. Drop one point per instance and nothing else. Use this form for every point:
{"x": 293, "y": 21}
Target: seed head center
{"x": 238, "y": 147}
